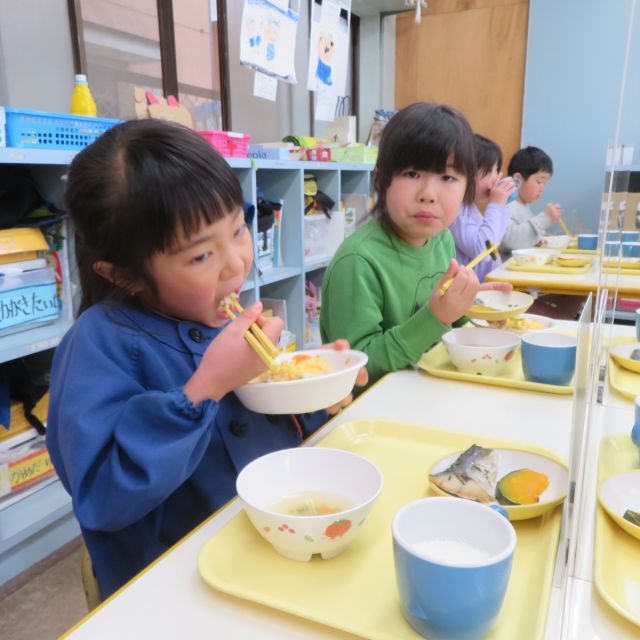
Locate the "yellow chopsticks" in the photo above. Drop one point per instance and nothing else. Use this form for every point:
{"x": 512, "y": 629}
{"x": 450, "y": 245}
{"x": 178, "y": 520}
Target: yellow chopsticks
{"x": 481, "y": 256}
{"x": 256, "y": 337}
{"x": 565, "y": 228}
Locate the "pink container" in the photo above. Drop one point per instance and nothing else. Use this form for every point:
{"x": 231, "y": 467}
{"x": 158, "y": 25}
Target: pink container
{"x": 228, "y": 143}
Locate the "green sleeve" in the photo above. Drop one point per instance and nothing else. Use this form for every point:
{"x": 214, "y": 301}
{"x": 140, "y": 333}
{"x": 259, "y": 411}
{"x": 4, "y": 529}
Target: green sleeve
{"x": 352, "y": 304}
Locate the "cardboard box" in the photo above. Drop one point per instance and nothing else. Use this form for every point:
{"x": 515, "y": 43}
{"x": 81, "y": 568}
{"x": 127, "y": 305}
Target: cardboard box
{"x": 24, "y": 465}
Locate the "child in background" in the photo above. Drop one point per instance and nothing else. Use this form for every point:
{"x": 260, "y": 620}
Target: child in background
{"x": 533, "y": 167}
{"x": 471, "y": 230}
{"x": 150, "y": 443}
{"x": 382, "y": 288}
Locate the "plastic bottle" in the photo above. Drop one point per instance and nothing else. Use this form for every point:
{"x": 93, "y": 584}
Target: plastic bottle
{"x": 82, "y": 102}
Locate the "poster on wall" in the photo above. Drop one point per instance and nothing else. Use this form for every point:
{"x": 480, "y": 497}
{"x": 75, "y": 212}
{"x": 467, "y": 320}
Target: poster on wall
{"x": 268, "y": 38}
{"x": 329, "y": 46}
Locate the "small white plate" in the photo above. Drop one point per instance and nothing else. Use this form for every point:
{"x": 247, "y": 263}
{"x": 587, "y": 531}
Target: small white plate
{"x": 512, "y": 324}
{"x": 621, "y": 354}
{"x": 511, "y": 460}
{"x": 499, "y": 305}
{"x": 619, "y": 493}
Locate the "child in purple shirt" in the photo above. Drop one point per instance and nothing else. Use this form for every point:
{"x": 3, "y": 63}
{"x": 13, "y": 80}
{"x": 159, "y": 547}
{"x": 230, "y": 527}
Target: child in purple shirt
{"x": 471, "y": 229}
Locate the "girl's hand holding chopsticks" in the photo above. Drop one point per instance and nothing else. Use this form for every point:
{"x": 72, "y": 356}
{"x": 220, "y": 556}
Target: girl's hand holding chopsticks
{"x": 459, "y": 295}
{"x": 230, "y": 361}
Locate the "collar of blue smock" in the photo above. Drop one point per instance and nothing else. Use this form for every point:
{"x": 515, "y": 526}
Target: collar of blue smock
{"x": 182, "y": 335}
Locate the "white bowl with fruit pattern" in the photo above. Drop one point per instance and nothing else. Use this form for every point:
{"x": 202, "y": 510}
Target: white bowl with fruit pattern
{"x": 280, "y": 489}
{"x": 480, "y": 351}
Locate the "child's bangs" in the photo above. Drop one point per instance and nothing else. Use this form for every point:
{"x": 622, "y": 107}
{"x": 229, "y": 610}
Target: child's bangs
{"x": 432, "y": 148}
{"x": 187, "y": 201}
{"x": 199, "y": 205}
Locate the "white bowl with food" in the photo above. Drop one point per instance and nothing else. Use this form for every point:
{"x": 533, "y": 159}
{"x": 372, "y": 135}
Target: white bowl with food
{"x": 555, "y": 242}
{"x": 480, "y": 351}
{"x": 532, "y": 257}
{"x": 303, "y": 381}
{"x": 309, "y": 500}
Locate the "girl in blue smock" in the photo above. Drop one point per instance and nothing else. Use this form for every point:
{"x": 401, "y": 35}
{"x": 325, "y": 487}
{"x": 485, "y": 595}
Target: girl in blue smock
{"x": 143, "y": 427}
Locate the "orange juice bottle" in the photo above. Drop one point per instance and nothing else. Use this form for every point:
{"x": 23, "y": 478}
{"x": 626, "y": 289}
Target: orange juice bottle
{"x": 82, "y": 102}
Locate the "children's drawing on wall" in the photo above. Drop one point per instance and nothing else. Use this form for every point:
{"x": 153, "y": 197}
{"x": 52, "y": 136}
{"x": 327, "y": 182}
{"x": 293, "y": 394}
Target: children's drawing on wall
{"x": 329, "y": 46}
{"x": 326, "y": 49}
{"x": 268, "y": 38}
{"x": 271, "y": 37}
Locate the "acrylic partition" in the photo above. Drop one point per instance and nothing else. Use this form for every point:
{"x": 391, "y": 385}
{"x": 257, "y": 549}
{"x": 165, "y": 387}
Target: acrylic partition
{"x": 603, "y": 599}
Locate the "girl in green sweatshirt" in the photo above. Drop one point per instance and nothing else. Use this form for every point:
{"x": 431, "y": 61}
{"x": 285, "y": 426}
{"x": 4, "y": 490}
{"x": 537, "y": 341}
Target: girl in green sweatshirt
{"x": 382, "y": 288}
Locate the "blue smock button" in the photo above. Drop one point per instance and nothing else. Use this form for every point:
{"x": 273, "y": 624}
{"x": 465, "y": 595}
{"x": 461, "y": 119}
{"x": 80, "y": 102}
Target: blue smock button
{"x": 237, "y": 429}
{"x": 196, "y": 335}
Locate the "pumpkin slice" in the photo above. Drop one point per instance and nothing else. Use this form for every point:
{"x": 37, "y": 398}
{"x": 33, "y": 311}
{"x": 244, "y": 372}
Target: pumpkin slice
{"x": 523, "y": 486}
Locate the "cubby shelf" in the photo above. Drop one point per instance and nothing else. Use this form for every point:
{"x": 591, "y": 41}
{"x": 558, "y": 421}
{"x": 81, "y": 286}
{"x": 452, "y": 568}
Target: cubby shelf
{"x": 37, "y": 521}
{"x": 284, "y": 180}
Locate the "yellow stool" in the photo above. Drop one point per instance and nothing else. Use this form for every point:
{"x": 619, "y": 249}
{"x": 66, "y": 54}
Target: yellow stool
{"x": 89, "y": 582}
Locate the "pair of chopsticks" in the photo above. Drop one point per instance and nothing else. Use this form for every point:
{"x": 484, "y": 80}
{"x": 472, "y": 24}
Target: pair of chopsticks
{"x": 561, "y": 222}
{"x": 565, "y": 228}
{"x": 491, "y": 249}
{"x": 256, "y": 337}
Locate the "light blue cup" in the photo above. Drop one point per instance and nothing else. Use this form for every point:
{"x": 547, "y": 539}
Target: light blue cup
{"x": 631, "y": 249}
{"x": 549, "y": 357}
{"x": 635, "y": 431}
{"x": 453, "y": 561}
{"x": 514, "y": 195}
{"x": 588, "y": 241}
{"x": 611, "y": 248}
{"x": 630, "y": 236}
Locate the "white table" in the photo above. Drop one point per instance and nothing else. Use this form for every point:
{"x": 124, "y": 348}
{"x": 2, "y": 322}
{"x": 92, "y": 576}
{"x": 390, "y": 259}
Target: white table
{"x": 169, "y": 600}
{"x": 628, "y": 286}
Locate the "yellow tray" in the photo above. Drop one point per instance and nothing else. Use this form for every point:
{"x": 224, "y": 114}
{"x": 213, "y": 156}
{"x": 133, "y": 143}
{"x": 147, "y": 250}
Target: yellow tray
{"x": 574, "y": 249}
{"x": 437, "y": 363}
{"x": 625, "y": 382}
{"x": 356, "y": 591}
{"x": 616, "y": 553}
{"x": 625, "y": 265}
{"x": 547, "y": 268}
{"x": 623, "y": 272}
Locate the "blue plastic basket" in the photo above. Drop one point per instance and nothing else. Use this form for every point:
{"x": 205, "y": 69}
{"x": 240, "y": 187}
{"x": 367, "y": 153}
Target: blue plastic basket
{"x": 46, "y": 130}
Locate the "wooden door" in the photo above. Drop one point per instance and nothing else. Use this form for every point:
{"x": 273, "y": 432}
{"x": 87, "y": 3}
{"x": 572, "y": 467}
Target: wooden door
{"x": 469, "y": 54}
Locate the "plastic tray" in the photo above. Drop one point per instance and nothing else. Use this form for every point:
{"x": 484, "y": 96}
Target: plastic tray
{"x": 623, "y": 264}
{"x": 437, "y": 363}
{"x": 547, "y": 268}
{"x": 356, "y": 591}
{"x": 46, "y": 130}
{"x": 616, "y": 553}
{"x": 574, "y": 249}
{"x": 228, "y": 143}
{"x": 625, "y": 382}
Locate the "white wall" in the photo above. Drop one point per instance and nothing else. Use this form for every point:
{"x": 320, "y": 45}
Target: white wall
{"x": 36, "y": 63}
{"x": 572, "y": 96}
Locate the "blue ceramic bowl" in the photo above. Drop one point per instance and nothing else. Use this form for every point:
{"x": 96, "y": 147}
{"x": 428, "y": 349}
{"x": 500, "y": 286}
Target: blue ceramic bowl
{"x": 452, "y": 592}
{"x": 612, "y": 236}
{"x": 630, "y": 236}
{"x": 588, "y": 241}
{"x": 549, "y": 357}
